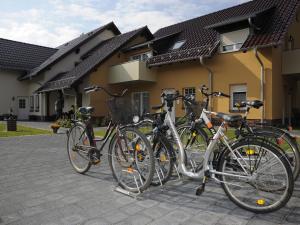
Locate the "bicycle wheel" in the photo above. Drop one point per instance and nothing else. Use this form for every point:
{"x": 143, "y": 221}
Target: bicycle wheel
{"x": 195, "y": 144}
{"x": 164, "y": 161}
{"x": 131, "y": 160}
{"x": 286, "y": 143}
{"x": 78, "y": 146}
{"x": 258, "y": 177}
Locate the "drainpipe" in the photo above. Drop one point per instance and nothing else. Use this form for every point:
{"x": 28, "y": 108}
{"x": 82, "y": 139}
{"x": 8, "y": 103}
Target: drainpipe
{"x": 210, "y": 78}
{"x": 262, "y": 83}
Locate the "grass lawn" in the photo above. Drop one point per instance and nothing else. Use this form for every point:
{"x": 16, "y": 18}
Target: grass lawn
{"x": 21, "y": 131}
{"x": 100, "y": 133}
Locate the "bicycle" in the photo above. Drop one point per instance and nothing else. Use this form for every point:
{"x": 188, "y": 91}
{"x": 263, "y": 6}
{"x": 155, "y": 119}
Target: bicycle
{"x": 130, "y": 155}
{"x": 248, "y": 163}
{"x": 152, "y": 124}
{"x": 195, "y": 134}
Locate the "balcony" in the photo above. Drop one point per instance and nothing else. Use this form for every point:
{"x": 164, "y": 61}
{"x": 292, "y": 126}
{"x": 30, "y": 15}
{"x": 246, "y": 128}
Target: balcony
{"x": 290, "y": 62}
{"x": 131, "y": 71}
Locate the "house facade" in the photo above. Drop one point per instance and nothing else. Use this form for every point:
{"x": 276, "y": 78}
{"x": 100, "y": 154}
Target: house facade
{"x": 249, "y": 51}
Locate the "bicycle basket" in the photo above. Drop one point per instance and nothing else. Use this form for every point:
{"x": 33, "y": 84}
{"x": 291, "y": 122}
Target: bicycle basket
{"x": 120, "y": 110}
{"x": 194, "y": 108}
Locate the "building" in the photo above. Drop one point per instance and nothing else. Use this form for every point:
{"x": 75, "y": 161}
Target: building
{"x": 249, "y": 51}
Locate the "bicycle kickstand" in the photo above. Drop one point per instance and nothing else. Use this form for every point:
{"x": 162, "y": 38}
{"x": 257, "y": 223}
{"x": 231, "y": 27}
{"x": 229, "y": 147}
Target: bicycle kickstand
{"x": 201, "y": 188}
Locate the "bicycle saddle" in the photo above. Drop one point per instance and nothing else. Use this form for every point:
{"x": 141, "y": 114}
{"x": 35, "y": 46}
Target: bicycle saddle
{"x": 229, "y": 117}
{"x": 86, "y": 110}
{"x": 255, "y": 104}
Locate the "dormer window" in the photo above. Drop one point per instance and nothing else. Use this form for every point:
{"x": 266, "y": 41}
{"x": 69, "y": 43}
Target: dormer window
{"x": 234, "y": 40}
{"x": 178, "y": 44}
{"x": 141, "y": 57}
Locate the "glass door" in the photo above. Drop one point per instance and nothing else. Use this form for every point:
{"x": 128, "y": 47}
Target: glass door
{"x": 140, "y": 102}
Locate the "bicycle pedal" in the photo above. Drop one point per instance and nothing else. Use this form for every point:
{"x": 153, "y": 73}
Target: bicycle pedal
{"x": 96, "y": 161}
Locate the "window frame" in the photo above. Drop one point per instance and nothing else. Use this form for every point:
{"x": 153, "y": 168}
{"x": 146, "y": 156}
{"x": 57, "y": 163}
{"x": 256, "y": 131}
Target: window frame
{"x": 242, "y": 87}
{"x": 184, "y": 94}
{"x": 141, "y": 97}
{"x": 234, "y": 39}
{"x": 31, "y": 103}
{"x": 37, "y": 103}
{"x": 20, "y": 103}
{"x": 140, "y": 56}
{"x": 179, "y": 43}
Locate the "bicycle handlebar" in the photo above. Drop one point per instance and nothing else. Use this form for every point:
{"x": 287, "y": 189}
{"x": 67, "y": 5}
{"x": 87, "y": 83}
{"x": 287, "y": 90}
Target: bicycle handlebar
{"x": 203, "y": 89}
{"x": 97, "y": 88}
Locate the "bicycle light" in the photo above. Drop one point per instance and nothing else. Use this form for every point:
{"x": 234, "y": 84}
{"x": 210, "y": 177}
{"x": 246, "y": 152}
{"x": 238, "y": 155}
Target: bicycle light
{"x": 136, "y": 119}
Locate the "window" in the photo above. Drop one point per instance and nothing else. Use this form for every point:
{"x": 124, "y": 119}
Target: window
{"x": 178, "y": 44}
{"x": 31, "y": 103}
{"x": 238, "y": 93}
{"x": 140, "y": 102}
{"x": 37, "y": 103}
{"x": 141, "y": 57}
{"x": 233, "y": 41}
{"x": 22, "y": 104}
{"x": 188, "y": 92}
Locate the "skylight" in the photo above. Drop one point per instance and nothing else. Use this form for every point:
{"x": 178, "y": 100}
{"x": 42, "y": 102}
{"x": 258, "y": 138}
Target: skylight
{"x": 178, "y": 44}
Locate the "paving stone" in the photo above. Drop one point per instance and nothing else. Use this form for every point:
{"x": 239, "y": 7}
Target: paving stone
{"x": 136, "y": 220}
{"x": 229, "y": 220}
{"x": 39, "y": 187}
{"x": 132, "y": 209}
{"x": 148, "y": 203}
{"x": 115, "y": 216}
{"x": 97, "y": 221}
{"x": 73, "y": 219}
{"x": 207, "y": 218}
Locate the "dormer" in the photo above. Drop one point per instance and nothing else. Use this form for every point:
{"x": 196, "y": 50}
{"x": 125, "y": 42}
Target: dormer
{"x": 235, "y": 31}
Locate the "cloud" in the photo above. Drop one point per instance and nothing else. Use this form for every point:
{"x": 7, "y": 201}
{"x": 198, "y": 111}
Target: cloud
{"x": 59, "y": 21}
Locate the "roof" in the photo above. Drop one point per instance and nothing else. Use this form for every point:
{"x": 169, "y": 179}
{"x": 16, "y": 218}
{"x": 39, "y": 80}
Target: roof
{"x": 97, "y": 57}
{"x": 198, "y": 36}
{"x": 68, "y": 47}
{"x": 22, "y": 56}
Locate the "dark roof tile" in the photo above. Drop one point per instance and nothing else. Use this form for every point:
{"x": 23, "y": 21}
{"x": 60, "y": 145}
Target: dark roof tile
{"x": 98, "y": 56}
{"x": 66, "y": 48}
{"x": 194, "y": 31}
{"x": 22, "y": 56}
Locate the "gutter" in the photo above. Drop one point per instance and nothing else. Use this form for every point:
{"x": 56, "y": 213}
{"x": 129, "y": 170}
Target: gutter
{"x": 210, "y": 78}
{"x": 262, "y": 83}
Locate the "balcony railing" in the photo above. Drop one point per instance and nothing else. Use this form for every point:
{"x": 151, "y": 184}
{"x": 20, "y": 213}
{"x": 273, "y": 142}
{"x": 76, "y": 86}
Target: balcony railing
{"x": 290, "y": 62}
{"x": 131, "y": 71}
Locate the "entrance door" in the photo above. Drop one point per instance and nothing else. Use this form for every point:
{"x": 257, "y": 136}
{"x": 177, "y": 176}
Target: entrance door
{"x": 23, "y": 108}
{"x": 171, "y": 91}
{"x": 140, "y": 102}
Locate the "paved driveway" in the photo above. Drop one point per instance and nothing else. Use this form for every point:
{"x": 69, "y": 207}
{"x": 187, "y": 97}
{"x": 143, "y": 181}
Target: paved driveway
{"x": 38, "y": 186}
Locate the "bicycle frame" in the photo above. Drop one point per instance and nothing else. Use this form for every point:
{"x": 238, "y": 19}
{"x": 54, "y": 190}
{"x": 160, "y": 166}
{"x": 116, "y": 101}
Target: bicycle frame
{"x": 207, "y": 163}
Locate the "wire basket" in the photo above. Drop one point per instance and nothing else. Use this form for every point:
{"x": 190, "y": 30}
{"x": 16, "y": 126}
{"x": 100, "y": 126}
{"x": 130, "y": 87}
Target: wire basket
{"x": 194, "y": 108}
{"x": 120, "y": 110}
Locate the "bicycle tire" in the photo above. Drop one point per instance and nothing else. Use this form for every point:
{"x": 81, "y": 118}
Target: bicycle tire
{"x": 163, "y": 154}
{"x": 293, "y": 147}
{"x": 130, "y": 168}
{"x": 257, "y": 202}
{"x": 71, "y": 152}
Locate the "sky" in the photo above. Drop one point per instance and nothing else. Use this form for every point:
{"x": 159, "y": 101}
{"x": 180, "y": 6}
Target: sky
{"x": 54, "y": 22}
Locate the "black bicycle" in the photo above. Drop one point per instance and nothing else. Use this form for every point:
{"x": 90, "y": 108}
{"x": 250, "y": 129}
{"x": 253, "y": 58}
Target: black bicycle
{"x": 130, "y": 154}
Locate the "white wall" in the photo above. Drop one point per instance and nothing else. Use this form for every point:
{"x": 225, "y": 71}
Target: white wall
{"x": 10, "y": 87}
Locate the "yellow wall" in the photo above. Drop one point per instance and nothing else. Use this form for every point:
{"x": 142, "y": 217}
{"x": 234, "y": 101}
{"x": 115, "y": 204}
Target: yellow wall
{"x": 229, "y": 69}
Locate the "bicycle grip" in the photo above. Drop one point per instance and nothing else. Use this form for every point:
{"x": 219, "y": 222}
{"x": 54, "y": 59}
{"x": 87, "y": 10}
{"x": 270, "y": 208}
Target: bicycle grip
{"x": 89, "y": 88}
{"x": 225, "y": 95}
